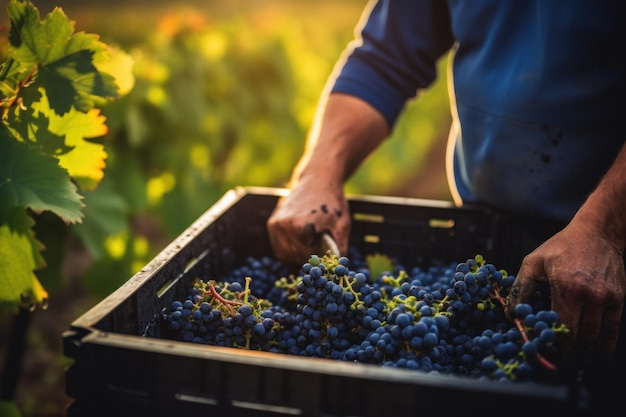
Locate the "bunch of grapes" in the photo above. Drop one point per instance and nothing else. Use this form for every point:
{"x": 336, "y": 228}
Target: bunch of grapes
{"x": 224, "y": 315}
{"x": 447, "y": 319}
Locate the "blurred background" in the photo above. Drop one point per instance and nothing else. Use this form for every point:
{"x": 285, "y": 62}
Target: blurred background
{"x": 224, "y": 95}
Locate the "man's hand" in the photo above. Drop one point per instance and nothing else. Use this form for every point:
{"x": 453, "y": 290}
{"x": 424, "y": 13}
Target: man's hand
{"x": 346, "y": 131}
{"x": 585, "y": 273}
{"x": 297, "y": 224}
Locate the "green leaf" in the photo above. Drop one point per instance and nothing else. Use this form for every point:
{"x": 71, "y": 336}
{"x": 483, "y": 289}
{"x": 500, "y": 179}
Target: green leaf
{"x": 71, "y": 81}
{"x": 35, "y": 181}
{"x": 24, "y": 24}
{"x": 37, "y": 41}
{"x": 65, "y": 60}
{"x": 12, "y": 74}
{"x": 19, "y": 257}
{"x": 9, "y": 409}
{"x": 379, "y": 264}
{"x": 33, "y": 127}
{"x": 124, "y": 170}
{"x": 105, "y": 215}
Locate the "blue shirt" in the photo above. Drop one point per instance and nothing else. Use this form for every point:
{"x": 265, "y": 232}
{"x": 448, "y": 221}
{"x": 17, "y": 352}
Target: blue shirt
{"x": 538, "y": 91}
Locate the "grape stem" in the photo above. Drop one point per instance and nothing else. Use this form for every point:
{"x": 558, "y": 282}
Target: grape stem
{"x": 16, "y": 98}
{"x": 227, "y": 303}
{"x": 543, "y": 361}
{"x": 520, "y": 326}
{"x": 246, "y": 291}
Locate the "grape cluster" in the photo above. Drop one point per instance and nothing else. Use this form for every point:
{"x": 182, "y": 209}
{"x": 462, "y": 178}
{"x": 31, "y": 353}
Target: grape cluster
{"x": 448, "y": 319}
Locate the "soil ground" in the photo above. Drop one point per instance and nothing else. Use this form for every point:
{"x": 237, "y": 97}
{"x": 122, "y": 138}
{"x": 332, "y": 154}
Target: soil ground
{"x": 41, "y": 385}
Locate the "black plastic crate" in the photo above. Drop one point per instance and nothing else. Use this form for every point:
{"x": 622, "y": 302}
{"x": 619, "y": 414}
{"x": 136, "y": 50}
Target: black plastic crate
{"x": 121, "y": 366}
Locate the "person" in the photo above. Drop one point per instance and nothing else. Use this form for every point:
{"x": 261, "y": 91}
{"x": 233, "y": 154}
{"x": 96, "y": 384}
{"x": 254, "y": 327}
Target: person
{"x": 537, "y": 94}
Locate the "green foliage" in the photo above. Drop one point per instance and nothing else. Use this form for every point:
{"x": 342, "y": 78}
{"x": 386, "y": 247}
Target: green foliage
{"x": 403, "y": 157}
{"x": 64, "y": 60}
{"x": 379, "y": 264}
{"x": 212, "y": 107}
{"x": 9, "y": 409}
{"x": 35, "y": 181}
{"x": 49, "y": 86}
{"x": 20, "y": 256}
{"x": 213, "y": 103}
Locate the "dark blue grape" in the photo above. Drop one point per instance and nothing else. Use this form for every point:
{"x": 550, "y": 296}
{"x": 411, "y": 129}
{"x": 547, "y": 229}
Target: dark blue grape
{"x": 440, "y": 319}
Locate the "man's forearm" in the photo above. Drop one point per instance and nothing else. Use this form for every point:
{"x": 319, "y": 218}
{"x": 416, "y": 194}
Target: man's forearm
{"x": 605, "y": 207}
{"x": 346, "y": 131}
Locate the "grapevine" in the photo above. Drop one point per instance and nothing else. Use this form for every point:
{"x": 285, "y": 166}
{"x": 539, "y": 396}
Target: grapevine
{"x": 446, "y": 319}
{"x": 53, "y": 82}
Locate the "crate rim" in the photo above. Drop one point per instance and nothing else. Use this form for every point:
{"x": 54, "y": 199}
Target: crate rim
{"x": 329, "y": 367}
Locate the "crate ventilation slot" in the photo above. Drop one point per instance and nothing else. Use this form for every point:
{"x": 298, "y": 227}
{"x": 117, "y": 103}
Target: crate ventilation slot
{"x": 369, "y": 217}
{"x": 433, "y": 223}
{"x": 441, "y": 223}
{"x": 196, "y": 399}
{"x": 268, "y": 408}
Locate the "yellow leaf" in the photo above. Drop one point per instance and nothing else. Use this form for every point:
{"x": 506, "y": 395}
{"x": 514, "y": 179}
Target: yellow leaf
{"x": 86, "y": 161}
{"x": 119, "y": 65}
{"x": 37, "y": 294}
{"x": 19, "y": 257}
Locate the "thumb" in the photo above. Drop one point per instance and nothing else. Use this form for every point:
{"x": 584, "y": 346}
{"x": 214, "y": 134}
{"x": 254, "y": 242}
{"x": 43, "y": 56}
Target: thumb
{"x": 524, "y": 287}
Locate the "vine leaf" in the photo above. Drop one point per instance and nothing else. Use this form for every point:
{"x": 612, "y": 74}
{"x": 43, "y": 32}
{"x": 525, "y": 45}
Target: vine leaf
{"x": 19, "y": 257}
{"x": 64, "y": 60}
{"x": 379, "y": 264}
{"x": 51, "y": 86}
{"x": 119, "y": 65}
{"x": 84, "y": 160}
{"x": 105, "y": 215}
{"x": 35, "y": 181}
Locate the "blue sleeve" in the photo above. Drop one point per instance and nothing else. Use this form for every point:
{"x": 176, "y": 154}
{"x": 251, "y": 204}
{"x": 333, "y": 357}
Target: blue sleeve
{"x": 396, "y": 53}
